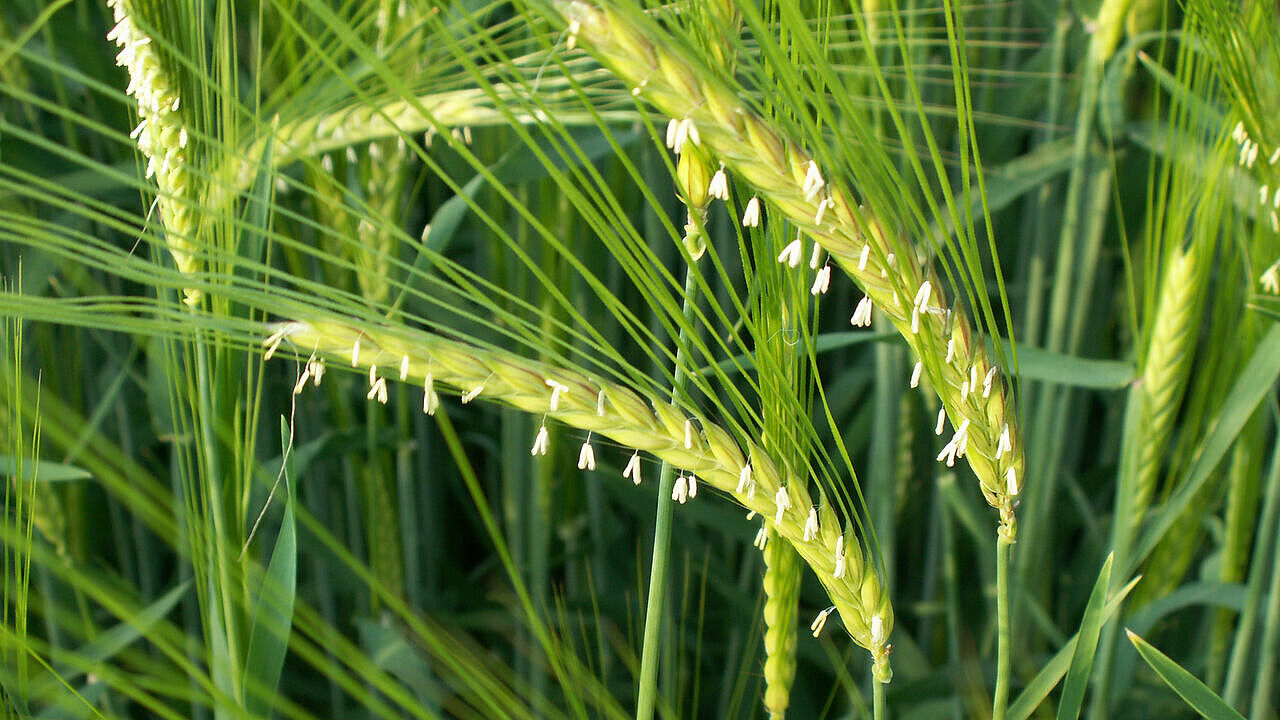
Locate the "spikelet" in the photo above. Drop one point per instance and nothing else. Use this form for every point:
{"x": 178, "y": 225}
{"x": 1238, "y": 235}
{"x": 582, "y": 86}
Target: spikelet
{"x": 699, "y": 447}
{"x": 886, "y": 266}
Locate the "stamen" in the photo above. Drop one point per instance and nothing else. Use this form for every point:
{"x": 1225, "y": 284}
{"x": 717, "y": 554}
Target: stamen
{"x": 783, "y": 502}
{"x": 430, "y": 400}
{"x": 791, "y": 254}
{"x": 761, "y": 538}
{"x": 719, "y": 187}
{"x": 821, "y": 621}
{"x": 942, "y": 418}
{"x": 813, "y": 181}
{"x": 404, "y": 368}
{"x": 540, "y": 441}
{"x": 915, "y": 374}
{"x": 862, "y": 313}
{"x": 751, "y": 216}
{"x": 587, "y": 456}
{"x": 745, "y": 483}
{"x": 821, "y": 282}
{"x": 811, "y": 525}
{"x": 680, "y": 493}
{"x": 632, "y": 470}
{"x": 840, "y": 561}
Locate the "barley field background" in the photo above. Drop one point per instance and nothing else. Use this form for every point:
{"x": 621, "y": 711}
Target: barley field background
{"x": 615, "y": 358}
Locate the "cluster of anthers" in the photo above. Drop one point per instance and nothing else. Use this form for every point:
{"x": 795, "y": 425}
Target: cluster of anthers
{"x": 682, "y": 132}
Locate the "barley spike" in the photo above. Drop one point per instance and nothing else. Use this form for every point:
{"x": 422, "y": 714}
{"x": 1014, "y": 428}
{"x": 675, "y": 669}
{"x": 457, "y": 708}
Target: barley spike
{"x": 890, "y": 269}
{"x": 653, "y": 426}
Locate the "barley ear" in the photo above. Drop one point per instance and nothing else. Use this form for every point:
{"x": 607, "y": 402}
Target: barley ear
{"x": 781, "y": 605}
{"x": 1166, "y": 367}
{"x": 886, "y": 265}
{"x": 162, "y": 138}
{"x": 653, "y": 426}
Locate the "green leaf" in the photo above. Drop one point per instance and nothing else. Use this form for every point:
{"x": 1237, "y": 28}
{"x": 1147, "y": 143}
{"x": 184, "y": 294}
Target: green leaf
{"x": 273, "y": 612}
{"x": 1188, "y": 686}
{"x": 1043, "y": 683}
{"x": 1085, "y": 647}
{"x": 107, "y": 644}
{"x": 41, "y": 470}
{"x": 1058, "y": 369}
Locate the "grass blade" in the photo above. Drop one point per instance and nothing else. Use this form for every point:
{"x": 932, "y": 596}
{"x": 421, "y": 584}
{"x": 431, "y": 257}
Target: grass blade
{"x": 272, "y": 616}
{"x": 1189, "y": 688}
{"x": 1086, "y": 646}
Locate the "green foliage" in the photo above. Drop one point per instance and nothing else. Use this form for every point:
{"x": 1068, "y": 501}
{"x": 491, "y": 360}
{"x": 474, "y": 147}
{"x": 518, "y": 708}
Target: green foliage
{"x": 485, "y": 183}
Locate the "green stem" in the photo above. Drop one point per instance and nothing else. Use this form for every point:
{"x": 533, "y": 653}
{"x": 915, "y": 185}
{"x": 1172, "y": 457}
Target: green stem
{"x": 648, "y": 689}
{"x": 877, "y": 700}
{"x": 1004, "y": 640}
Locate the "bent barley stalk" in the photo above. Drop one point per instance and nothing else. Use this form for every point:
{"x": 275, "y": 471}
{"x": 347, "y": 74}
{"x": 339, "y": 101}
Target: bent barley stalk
{"x": 888, "y": 268}
{"x": 703, "y": 449}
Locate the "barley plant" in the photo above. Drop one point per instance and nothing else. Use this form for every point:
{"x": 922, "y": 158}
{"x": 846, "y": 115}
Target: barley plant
{"x": 615, "y": 358}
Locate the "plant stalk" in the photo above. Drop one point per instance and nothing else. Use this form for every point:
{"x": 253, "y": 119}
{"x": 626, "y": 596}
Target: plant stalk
{"x": 1004, "y": 636}
{"x": 647, "y": 692}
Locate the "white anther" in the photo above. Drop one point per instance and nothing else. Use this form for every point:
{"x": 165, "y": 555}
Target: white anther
{"x": 302, "y": 380}
{"x": 355, "y": 353}
{"x": 942, "y": 418}
{"x": 915, "y": 374}
{"x": 783, "y": 502}
{"x": 719, "y": 187}
{"x": 600, "y": 404}
{"x": 632, "y": 470}
{"x": 862, "y": 313}
{"x": 587, "y": 457}
{"x": 751, "y": 216}
{"x": 1003, "y": 445}
{"x": 822, "y": 210}
{"x": 557, "y": 389}
{"x": 745, "y": 483}
{"x": 761, "y": 538}
{"x": 862, "y": 257}
{"x": 680, "y": 493}
{"x": 791, "y": 254}
{"x": 877, "y": 630}
{"x": 813, "y": 181}
{"x": 540, "y": 441}
{"x": 473, "y": 393}
{"x": 272, "y": 343}
{"x": 430, "y": 400}
{"x": 811, "y": 525}
{"x": 404, "y": 368}
{"x": 840, "y": 562}
{"x": 377, "y": 386}
{"x": 815, "y": 257}
{"x": 1011, "y": 481}
{"x": 822, "y": 281}
{"x": 821, "y": 621}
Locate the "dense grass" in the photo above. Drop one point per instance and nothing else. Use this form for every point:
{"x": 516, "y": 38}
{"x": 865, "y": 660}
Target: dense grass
{"x": 483, "y": 191}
